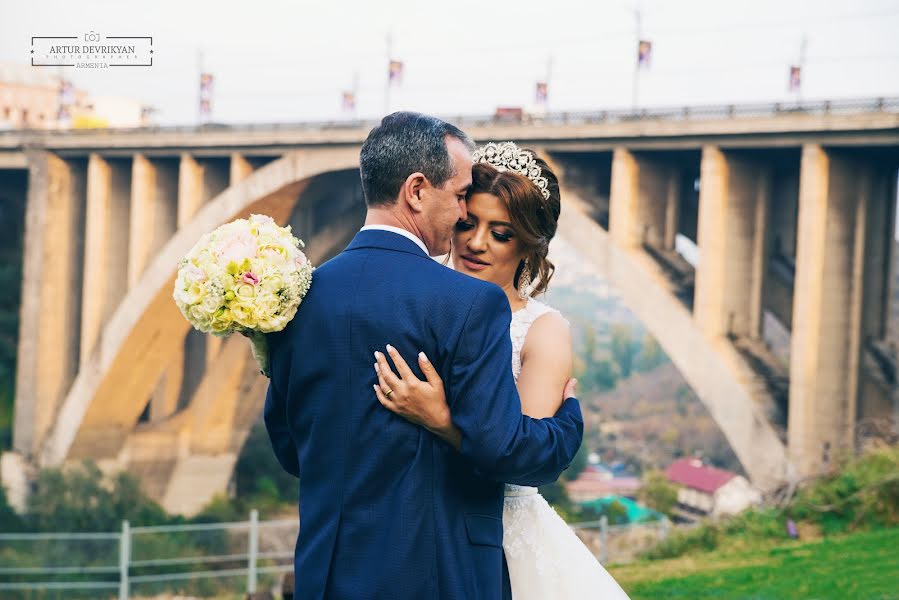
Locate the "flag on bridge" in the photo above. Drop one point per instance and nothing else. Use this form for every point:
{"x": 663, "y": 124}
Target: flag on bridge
{"x": 66, "y": 101}
{"x": 644, "y": 54}
{"x": 395, "y": 73}
{"x": 542, "y": 93}
{"x": 206, "y": 81}
{"x": 349, "y": 101}
{"x": 795, "y": 78}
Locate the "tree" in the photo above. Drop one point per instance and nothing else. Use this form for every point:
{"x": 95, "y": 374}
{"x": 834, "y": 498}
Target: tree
{"x": 593, "y": 373}
{"x": 651, "y": 355}
{"x": 258, "y": 473}
{"x": 614, "y": 511}
{"x": 12, "y": 215}
{"x": 79, "y": 499}
{"x": 658, "y": 493}
{"x": 625, "y": 348}
{"x": 9, "y": 520}
{"x": 578, "y": 463}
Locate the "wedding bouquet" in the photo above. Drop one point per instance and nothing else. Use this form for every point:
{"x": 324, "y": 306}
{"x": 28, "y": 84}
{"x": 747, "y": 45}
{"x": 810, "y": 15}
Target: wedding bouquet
{"x": 248, "y": 276}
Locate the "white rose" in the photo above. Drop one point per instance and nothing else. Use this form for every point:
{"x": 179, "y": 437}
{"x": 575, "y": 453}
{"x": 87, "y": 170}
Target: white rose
{"x": 211, "y": 303}
{"x": 245, "y": 290}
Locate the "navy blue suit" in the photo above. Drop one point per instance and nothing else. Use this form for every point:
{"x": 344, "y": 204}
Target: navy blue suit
{"x": 388, "y": 509}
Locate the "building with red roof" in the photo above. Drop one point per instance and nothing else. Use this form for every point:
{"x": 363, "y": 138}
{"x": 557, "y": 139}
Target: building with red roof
{"x": 706, "y": 490}
{"x": 598, "y": 482}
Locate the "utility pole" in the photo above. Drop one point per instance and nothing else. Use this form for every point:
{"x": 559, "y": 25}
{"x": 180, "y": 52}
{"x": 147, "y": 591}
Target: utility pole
{"x": 356, "y": 95}
{"x": 389, "y": 80}
{"x": 802, "y": 47}
{"x": 549, "y": 74}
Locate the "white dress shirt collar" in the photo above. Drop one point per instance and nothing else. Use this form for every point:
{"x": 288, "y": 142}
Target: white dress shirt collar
{"x": 402, "y": 232}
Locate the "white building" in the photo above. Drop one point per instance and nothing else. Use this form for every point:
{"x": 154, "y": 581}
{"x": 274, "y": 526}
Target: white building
{"x": 704, "y": 490}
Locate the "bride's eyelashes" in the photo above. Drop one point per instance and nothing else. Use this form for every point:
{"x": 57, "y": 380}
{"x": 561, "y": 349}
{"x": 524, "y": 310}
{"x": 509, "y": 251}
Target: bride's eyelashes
{"x": 497, "y": 235}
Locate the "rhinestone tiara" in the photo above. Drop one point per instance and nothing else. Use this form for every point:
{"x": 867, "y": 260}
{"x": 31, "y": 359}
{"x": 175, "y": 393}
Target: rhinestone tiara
{"x": 506, "y": 156}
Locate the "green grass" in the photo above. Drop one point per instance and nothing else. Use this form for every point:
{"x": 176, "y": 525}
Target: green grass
{"x": 859, "y": 565}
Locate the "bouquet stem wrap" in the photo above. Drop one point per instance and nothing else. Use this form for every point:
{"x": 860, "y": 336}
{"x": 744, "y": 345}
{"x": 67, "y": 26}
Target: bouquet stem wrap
{"x": 259, "y": 345}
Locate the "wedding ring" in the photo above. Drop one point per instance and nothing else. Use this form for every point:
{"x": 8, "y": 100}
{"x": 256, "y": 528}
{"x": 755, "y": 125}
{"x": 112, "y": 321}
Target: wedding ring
{"x": 387, "y": 393}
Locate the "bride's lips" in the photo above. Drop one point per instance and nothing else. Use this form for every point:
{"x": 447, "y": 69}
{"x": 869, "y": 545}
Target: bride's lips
{"x": 475, "y": 264}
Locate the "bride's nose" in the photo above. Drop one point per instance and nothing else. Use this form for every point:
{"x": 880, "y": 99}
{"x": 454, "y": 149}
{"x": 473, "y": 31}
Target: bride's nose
{"x": 478, "y": 240}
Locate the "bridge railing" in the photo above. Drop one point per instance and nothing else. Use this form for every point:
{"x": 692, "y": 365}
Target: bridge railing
{"x": 668, "y": 113}
{"x": 208, "y": 558}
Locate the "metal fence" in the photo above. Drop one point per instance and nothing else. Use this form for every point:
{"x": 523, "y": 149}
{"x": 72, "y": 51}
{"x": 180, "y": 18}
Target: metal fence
{"x": 620, "y": 543}
{"x": 199, "y": 559}
{"x": 205, "y": 559}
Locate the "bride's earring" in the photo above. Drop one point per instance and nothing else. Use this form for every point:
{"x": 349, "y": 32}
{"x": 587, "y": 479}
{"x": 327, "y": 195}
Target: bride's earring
{"x": 524, "y": 282}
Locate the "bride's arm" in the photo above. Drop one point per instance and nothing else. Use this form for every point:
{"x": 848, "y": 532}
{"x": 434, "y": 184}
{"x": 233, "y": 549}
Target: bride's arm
{"x": 421, "y": 402}
{"x": 546, "y": 360}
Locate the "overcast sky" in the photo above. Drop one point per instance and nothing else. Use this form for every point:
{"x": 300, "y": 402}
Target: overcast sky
{"x": 279, "y": 60}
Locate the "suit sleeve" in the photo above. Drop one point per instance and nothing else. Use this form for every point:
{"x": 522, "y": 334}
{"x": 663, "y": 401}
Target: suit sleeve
{"x": 502, "y": 442}
{"x": 276, "y": 421}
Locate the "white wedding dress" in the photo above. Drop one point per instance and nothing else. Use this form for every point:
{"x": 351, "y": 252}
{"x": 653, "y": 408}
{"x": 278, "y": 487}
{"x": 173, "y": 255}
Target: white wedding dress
{"x": 546, "y": 559}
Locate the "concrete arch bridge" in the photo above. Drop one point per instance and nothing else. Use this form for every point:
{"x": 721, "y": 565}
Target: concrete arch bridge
{"x": 779, "y": 317}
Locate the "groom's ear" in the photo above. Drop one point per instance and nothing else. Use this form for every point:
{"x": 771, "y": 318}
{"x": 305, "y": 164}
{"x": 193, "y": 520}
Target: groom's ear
{"x": 412, "y": 190}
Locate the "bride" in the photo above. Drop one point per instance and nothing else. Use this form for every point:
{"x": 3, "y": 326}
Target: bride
{"x": 513, "y": 207}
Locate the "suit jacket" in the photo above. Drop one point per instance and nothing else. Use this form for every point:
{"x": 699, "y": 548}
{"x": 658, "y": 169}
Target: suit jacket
{"x": 387, "y": 509}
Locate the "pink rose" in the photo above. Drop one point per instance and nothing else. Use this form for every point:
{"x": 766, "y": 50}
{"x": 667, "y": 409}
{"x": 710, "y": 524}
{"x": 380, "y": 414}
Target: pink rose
{"x": 300, "y": 260}
{"x": 250, "y": 277}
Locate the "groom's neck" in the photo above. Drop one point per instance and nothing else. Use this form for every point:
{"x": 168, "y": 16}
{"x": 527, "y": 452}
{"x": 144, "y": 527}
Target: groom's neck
{"x": 392, "y": 217}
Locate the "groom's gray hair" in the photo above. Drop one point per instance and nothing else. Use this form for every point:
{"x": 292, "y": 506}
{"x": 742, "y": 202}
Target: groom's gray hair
{"x": 406, "y": 143}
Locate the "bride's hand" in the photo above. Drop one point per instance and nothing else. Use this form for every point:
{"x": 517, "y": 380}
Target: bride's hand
{"x": 421, "y": 402}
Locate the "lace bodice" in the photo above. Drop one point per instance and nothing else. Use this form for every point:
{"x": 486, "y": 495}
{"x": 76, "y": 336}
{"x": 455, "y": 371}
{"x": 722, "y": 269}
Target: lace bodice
{"x": 522, "y": 320}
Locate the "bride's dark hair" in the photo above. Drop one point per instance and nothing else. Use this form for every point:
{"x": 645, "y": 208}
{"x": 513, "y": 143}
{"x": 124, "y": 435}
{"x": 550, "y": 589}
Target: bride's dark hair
{"x": 534, "y": 218}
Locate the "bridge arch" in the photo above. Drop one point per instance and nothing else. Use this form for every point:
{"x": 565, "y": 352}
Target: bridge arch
{"x": 735, "y": 397}
{"x": 102, "y": 408}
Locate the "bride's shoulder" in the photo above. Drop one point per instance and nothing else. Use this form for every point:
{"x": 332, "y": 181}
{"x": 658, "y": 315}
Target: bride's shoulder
{"x": 549, "y": 327}
{"x": 548, "y": 341}
{"x": 538, "y": 309}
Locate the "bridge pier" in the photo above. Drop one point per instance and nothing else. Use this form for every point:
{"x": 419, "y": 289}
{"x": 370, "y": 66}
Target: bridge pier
{"x": 190, "y": 188}
{"x": 49, "y": 338}
{"x": 240, "y": 168}
{"x": 846, "y": 217}
{"x": 644, "y": 201}
{"x": 106, "y": 245}
{"x": 733, "y": 223}
{"x": 154, "y": 211}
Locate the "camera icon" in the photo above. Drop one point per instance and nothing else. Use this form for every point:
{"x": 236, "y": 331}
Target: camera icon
{"x": 92, "y": 36}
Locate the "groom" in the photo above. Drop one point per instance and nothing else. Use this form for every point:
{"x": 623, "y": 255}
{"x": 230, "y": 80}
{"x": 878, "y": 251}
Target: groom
{"x": 387, "y": 509}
